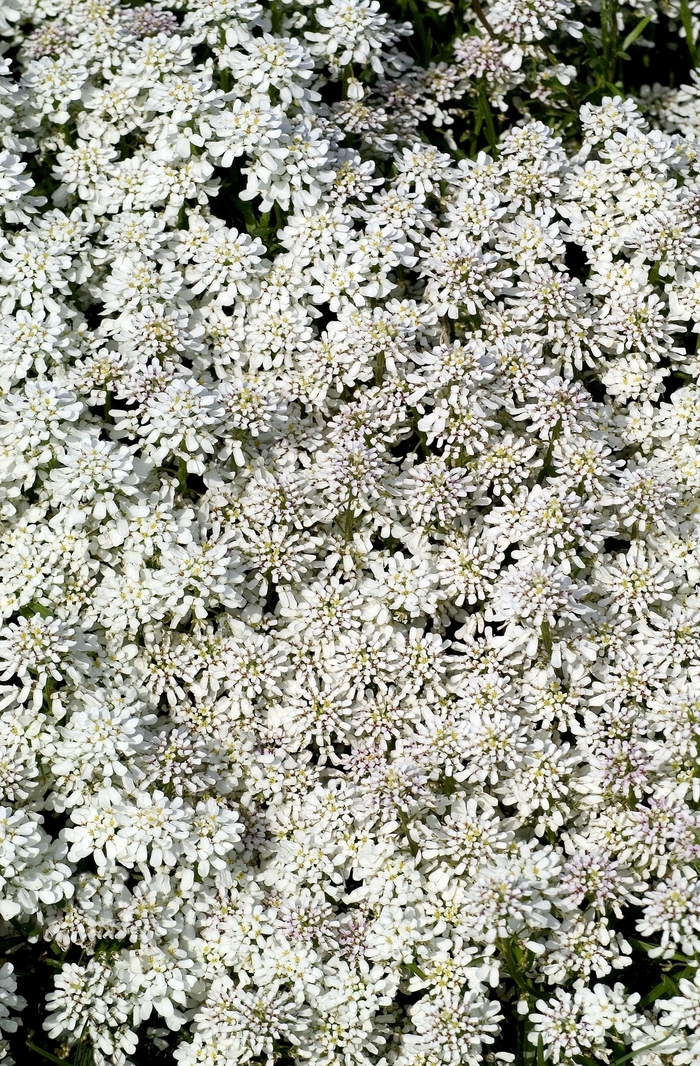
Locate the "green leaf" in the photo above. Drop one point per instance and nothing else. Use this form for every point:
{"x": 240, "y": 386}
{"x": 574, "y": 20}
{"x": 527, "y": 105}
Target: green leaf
{"x": 540, "y": 1051}
{"x": 687, "y": 21}
{"x": 637, "y": 1051}
{"x": 590, "y": 45}
{"x": 642, "y": 945}
{"x": 84, "y": 1056}
{"x": 107, "y": 948}
{"x": 484, "y": 114}
{"x": 44, "y": 1054}
{"x": 639, "y": 28}
{"x": 667, "y": 987}
{"x": 35, "y": 608}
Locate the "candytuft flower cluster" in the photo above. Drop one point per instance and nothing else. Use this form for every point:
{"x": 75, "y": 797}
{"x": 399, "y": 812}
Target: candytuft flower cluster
{"x": 350, "y": 496}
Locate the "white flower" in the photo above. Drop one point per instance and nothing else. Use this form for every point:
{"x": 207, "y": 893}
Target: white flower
{"x": 9, "y": 1000}
{"x": 224, "y": 262}
{"x": 242, "y": 1022}
{"x": 353, "y": 31}
{"x": 273, "y": 62}
{"x": 538, "y": 593}
{"x": 673, "y": 909}
{"x": 452, "y": 1028}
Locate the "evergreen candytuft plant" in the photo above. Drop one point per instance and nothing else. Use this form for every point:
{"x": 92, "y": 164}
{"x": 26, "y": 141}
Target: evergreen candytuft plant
{"x": 350, "y": 533}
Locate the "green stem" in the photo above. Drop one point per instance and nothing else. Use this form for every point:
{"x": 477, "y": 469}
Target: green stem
{"x": 480, "y": 14}
{"x": 547, "y": 462}
{"x": 608, "y": 27}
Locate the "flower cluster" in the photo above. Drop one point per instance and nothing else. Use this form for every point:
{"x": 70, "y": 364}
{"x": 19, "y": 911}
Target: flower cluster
{"x": 350, "y": 495}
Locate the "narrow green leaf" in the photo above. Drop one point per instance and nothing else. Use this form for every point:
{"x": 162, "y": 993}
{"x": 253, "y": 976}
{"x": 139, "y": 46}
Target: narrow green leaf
{"x": 45, "y": 1054}
{"x": 484, "y": 113}
{"x": 590, "y": 45}
{"x": 687, "y": 21}
{"x": 667, "y": 987}
{"x": 84, "y": 1056}
{"x": 641, "y": 945}
{"x": 637, "y": 1051}
{"x": 639, "y": 28}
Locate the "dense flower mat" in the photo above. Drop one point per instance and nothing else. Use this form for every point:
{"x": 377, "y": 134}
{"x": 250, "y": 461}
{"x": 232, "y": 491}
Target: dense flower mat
{"x": 350, "y": 496}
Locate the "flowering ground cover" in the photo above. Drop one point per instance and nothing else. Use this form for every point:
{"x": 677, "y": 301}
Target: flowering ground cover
{"x": 350, "y": 533}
